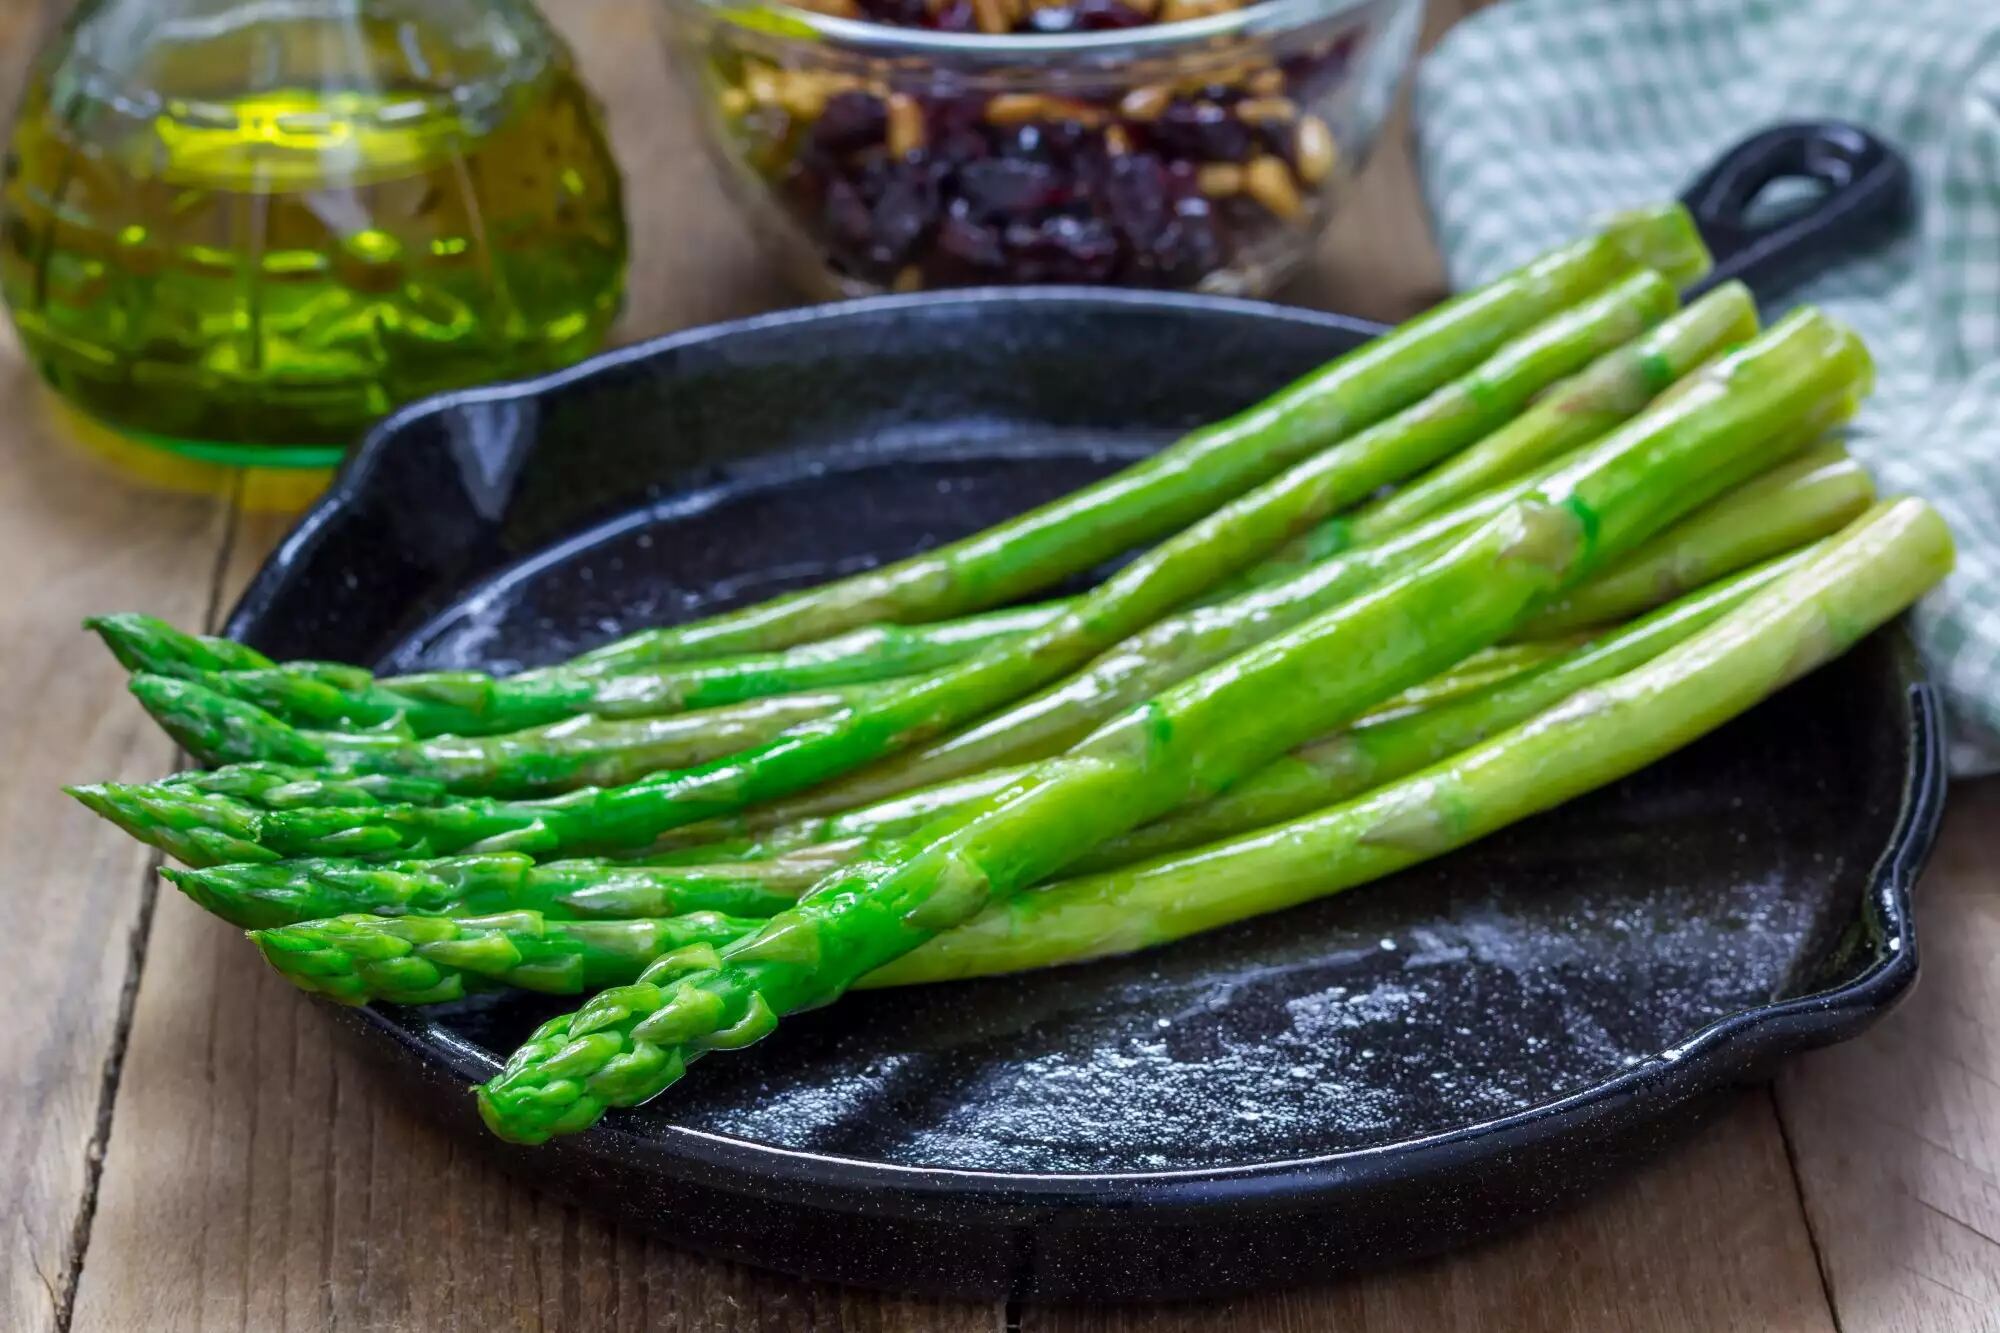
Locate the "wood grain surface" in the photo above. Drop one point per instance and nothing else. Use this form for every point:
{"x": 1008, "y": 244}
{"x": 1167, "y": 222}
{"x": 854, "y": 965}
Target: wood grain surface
{"x": 186, "y": 1149}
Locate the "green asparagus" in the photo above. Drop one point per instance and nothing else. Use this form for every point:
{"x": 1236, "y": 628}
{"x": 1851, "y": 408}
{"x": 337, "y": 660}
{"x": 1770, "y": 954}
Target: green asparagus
{"x": 1606, "y": 393}
{"x": 1882, "y": 563}
{"x": 288, "y": 892}
{"x": 473, "y": 703}
{"x": 576, "y": 752}
{"x": 1817, "y": 493}
{"x": 1792, "y": 503}
{"x": 631, "y": 1042}
{"x": 424, "y": 960}
{"x": 1823, "y": 600}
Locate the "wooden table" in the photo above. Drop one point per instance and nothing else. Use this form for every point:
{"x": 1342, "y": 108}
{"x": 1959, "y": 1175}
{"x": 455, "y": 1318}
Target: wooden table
{"x": 184, "y": 1147}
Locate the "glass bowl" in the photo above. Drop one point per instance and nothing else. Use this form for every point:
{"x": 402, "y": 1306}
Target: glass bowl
{"x": 1205, "y": 153}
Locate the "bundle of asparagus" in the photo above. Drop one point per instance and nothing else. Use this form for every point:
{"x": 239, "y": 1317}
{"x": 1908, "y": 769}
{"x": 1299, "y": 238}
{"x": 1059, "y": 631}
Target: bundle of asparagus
{"x": 1502, "y": 555}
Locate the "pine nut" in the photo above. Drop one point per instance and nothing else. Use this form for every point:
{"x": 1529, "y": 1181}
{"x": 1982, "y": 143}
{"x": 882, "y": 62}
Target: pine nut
{"x": 1218, "y": 180}
{"x": 991, "y": 16}
{"x": 1145, "y": 102}
{"x": 1023, "y": 108}
{"x": 905, "y": 133}
{"x": 1269, "y": 181}
{"x": 1267, "y": 108}
{"x": 1315, "y": 150}
{"x": 1266, "y": 82}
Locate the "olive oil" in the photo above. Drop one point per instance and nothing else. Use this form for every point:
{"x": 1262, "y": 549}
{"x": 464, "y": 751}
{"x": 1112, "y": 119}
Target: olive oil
{"x": 234, "y": 225}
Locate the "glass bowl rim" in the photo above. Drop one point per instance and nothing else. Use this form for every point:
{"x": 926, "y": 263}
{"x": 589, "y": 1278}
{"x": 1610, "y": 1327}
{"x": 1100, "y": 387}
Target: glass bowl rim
{"x": 1256, "y": 18}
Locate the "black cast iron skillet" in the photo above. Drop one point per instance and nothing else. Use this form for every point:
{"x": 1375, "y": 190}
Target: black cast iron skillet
{"x": 1369, "y": 1078}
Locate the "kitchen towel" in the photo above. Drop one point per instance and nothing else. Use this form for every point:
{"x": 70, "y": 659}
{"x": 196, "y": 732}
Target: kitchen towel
{"x": 1535, "y": 115}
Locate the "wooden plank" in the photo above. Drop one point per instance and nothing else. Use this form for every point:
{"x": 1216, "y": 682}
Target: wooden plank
{"x": 75, "y": 533}
{"x": 1896, "y": 1136}
{"x": 79, "y": 529}
{"x": 1707, "y": 1239}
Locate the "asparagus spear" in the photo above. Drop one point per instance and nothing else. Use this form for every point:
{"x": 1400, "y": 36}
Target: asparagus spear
{"x": 1879, "y": 565}
{"x": 1390, "y": 745}
{"x": 1792, "y": 504}
{"x": 288, "y": 892}
{"x": 616, "y": 818}
{"x": 575, "y": 752}
{"x": 1808, "y": 497}
{"x": 423, "y": 960}
{"x": 473, "y": 703}
{"x": 147, "y": 643}
{"x": 1806, "y": 610}
{"x": 789, "y": 861}
{"x": 765, "y": 832}
{"x": 1606, "y": 393}
{"x": 275, "y": 786}
{"x": 631, "y": 1042}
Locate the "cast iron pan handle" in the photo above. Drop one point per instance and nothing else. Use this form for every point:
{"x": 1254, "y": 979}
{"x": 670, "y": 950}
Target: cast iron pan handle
{"x": 1865, "y": 198}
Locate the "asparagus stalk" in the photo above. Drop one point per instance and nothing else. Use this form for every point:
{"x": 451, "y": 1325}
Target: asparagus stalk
{"x": 631, "y": 1042}
{"x": 1792, "y": 504}
{"x": 787, "y": 861}
{"x": 473, "y": 703}
{"x": 768, "y": 833}
{"x": 288, "y": 892}
{"x": 627, "y": 817}
{"x": 1798, "y": 501}
{"x": 1391, "y": 745}
{"x": 1880, "y": 565}
{"x": 576, "y": 752}
{"x": 424, "y": 960}
{"x": 147, "y": 643}
{"x": 275, "y": 786}
{"x": 1605, "y": 394}
{"x": 1321, "y": 774}
{"x": 1806, "y": 610}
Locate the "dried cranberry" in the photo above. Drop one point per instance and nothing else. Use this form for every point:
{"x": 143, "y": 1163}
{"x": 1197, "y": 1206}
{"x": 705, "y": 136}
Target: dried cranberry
{"x": 908, "y": 206}
{"x": 1085, "y": 248}
{"x": 850, "y": 120}
{"x": 1188, "y": 249}
{"x": 958, "y": 16}
{"x": 1061, "y": 139}
{"x": 1136, "y": 199}
{"x": 1107, "y": 16}
{"x": 1010, "y": 188}
{"x": 1024, "y": 142}
{"x": 1277, "y": 135}
{"x": 957, "y": 128}
{"x": 1203, "y": 130}
{"x": 970, "y": 244}
{"x": 903, "y": 13}
{"x": 845, "y": 216}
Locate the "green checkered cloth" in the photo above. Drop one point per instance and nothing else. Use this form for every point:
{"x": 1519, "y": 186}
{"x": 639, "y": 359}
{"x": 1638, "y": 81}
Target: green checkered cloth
{"x": 1536, "y": 115}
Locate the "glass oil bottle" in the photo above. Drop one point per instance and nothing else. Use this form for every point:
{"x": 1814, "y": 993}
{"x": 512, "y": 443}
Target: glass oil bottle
{"x": 248, "y": 228}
